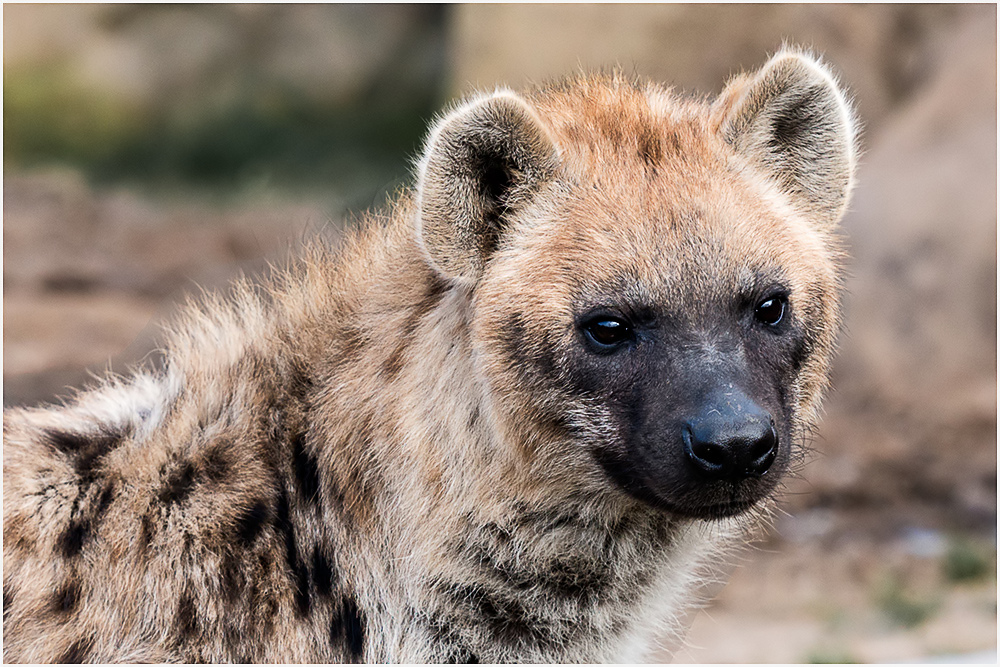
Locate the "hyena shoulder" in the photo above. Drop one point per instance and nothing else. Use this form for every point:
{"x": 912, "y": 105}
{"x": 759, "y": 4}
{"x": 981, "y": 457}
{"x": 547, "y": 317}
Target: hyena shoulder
{"x": 511, "y": 419}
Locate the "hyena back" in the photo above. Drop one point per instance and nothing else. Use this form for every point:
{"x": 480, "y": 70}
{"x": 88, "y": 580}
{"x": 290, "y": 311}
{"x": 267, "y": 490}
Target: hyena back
{"x": 508, "y": 420}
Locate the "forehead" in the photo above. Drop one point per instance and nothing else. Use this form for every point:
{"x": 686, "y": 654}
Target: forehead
{"x": 654, "y": 202}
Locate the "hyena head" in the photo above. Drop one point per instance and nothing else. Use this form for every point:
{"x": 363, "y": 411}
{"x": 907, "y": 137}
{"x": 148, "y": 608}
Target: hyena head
{"x": 652, "y": 284}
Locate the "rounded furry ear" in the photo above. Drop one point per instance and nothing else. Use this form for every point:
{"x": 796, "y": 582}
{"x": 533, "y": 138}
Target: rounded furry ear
{"x": 792, "y": 120}
{"x": 483, "y": 161}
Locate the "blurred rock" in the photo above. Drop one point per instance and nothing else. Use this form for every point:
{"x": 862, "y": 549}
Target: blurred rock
{"x": 915, "y": 383}
{"x": 881, "y": 50}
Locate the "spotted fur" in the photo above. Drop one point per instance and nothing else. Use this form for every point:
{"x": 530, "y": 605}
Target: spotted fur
{"x": 398, "y": 449}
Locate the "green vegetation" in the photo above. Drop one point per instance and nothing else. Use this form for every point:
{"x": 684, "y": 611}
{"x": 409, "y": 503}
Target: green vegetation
{"x": 825, "y": 656}
{"x": 254, "y": 137}
{"x": 968, "y": 561}
{"x": 902, "y": 607}
{"x": 49, "y": 117}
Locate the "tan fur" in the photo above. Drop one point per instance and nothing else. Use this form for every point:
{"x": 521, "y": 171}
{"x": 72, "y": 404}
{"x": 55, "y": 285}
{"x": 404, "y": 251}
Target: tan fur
{"x": 348, "y": 463}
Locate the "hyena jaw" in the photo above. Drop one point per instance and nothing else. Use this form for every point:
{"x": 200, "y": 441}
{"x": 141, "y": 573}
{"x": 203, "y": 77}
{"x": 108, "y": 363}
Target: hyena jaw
{"x": 518, "y": 417}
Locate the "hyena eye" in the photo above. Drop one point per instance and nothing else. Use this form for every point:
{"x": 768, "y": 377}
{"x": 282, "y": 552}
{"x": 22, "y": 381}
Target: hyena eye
{"x": 606, "y": 333}
{"x": 771, "y": 311}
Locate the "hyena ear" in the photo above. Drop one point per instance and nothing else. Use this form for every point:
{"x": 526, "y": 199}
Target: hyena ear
{"x": 792, "y": 120}
{"x": 482, "y": 163}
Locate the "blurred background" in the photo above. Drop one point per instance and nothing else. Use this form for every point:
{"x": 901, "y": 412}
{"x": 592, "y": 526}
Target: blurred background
{"x": 153, "y": 150}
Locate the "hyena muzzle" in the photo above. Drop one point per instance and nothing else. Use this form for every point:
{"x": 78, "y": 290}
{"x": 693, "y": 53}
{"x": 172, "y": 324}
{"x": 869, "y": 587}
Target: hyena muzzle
{"x": 513, "y": 418}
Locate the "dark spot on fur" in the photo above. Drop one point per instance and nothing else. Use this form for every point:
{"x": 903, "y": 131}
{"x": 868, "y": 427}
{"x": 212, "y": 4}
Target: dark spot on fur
{"x": 8, "y": 598}
{"x": 83, "y": 523}
{"x": 77, "y": 653}
{"x": 574, "y": 580}
{"x": 74, "y": 537}
{"x": 526, "y": 352}
{"x": 650, "y": 147}
{"x": 503, "y": 615}
{"x": 351, "y": 343}
{"x": 306, "y": 469}
{"x": 437, "y": 286}
{"x": 322, "y": 573}
{"x": 393, "y": 364}
{"x": 347, "y": 629}
{"x": 104, "y": 500}
{"x": 671, "y": 143}
{"x": 282, "y": 516}
{"x": 215, "y": 463}
{"x": 186, "y": 620}
{"x": 300, "y": 383}
{"x": 300, "y": 573}
{"x": 86, "y": 450}
{"x": 231, "y": 576}
{"x": 251, "y": 522}
{"x": 236, "y": 642}
{"x": 66, "y": 598}
{"x": 146, "y": 531}
{"x": 178, "y": 485}
{"x": 461, "y": 657}
{"x": 454, "y": 649}
{"x": 67, "y": 443}
{"x": 513, "y": 337}
{"x": 612, "y": 127}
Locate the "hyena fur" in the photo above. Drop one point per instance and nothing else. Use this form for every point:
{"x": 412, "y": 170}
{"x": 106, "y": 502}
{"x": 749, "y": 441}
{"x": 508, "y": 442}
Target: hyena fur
{"x": 511, "y": 419}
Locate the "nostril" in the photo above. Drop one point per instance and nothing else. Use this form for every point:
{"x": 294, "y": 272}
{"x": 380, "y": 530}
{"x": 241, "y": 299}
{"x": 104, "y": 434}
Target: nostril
{"x": 764, "y": 446}
{"x": 715, "y": 455}
{"x": 707, "y": 456}
{"x": 763, "y": 452}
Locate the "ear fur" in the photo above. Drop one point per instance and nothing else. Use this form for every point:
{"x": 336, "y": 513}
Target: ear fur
{"x": 791, "y": 120}
{"x": 482, "y": 162}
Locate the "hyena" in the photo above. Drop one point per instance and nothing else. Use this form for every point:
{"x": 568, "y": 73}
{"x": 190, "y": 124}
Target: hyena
{"x": 512, "y": 418}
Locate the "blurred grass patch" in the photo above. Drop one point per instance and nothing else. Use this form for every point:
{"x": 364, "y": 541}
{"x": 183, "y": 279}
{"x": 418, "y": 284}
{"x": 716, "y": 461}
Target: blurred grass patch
{"x": 830, "y": 656}
{"x": 902, "y": 607}
{"x": 50, "y": 117}
{"x": 967, "y": 561}
{"x": 259, "y": 136}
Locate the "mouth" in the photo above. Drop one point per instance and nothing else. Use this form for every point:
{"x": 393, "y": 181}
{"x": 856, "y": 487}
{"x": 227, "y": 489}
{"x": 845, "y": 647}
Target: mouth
{"x": 721, "y": 500}
{"x": 686, "y": 495}
{"x": 709, "y": 512}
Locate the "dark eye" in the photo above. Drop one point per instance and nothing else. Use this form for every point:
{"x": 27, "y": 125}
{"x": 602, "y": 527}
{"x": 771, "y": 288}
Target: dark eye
{"x": 607, "y": 333}
{"x": 771, "y": 311}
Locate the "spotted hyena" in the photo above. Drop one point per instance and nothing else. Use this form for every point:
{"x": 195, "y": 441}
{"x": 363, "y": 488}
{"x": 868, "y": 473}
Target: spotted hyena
{"x": 510, "y": 419}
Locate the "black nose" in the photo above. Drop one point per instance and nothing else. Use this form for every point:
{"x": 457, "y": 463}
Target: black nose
{"x": 732, "y": 439}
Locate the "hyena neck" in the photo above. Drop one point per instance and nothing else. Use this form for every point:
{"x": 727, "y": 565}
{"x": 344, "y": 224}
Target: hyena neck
{"x": 553, "y": 584}
{"x": 484, "y": 567}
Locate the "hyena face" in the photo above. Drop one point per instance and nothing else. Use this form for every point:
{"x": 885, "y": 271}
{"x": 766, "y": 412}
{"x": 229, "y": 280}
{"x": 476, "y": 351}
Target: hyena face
{"x": 652, "y": 289}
